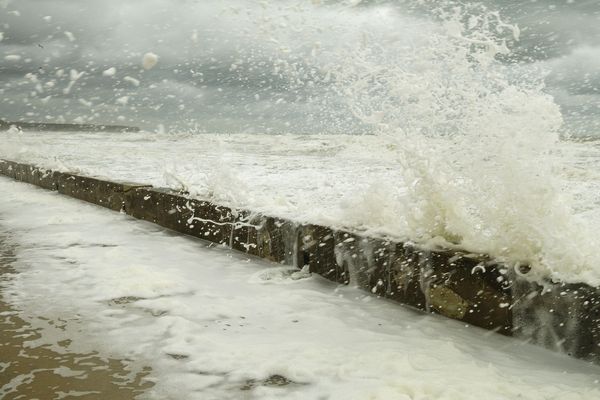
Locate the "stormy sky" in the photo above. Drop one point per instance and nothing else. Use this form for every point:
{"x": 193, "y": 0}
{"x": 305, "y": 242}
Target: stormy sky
{"x": 81, "y": 60}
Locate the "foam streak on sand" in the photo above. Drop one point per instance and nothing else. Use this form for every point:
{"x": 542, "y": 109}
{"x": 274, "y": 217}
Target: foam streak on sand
{"x": 214, "y": 325}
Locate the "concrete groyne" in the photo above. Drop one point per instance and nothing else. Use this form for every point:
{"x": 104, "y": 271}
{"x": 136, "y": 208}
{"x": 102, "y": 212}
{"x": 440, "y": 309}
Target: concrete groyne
{"x": 471, "y": 288}
{"x": 47, "y": 126}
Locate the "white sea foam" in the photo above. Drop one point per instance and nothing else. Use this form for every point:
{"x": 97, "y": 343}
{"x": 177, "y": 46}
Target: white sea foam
{"x": 109, "y": 72}
{"x": 149, "y": 60}
{"x": 210, "y": 322}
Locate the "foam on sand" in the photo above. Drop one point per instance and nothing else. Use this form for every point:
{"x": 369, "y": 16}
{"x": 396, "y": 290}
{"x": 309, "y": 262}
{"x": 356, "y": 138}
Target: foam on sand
{"x": 203, "y": 319}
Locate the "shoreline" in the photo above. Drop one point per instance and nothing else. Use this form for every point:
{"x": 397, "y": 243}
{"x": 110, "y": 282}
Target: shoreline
{"x": 38, "y": 370}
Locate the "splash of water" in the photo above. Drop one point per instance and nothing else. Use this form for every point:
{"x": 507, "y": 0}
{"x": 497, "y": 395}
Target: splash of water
{"x": 475, "y": 137}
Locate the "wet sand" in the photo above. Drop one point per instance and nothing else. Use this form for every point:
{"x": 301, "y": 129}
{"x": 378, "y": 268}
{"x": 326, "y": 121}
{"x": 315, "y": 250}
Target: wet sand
{"x": 30, "y": 371}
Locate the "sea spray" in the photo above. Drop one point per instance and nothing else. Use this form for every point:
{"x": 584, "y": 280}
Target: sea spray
{"x": 475, "y": 143}
{"x": 474, "y": 135}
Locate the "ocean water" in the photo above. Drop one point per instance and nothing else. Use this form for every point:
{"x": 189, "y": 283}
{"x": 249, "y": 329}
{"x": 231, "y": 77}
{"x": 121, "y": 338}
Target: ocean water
{"x": 446, "y": 123}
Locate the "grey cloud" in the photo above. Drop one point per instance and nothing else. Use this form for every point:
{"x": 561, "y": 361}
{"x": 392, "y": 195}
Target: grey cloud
{"x": 216, "y": 58}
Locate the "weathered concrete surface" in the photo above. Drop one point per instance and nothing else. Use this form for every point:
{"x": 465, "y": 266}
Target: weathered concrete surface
{"x": 458, "y": 285}
{"x": 466, "y": 287}
{"x": 559, "y": 316}
{"x": 173, "y": 211}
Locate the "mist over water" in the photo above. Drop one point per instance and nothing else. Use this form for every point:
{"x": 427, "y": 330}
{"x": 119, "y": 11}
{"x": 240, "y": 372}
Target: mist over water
{"x": 471, "y": 100}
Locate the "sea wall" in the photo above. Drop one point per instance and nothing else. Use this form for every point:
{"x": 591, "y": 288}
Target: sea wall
{"x": 48, "y": 126}
{"x": 471, "y": 288}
